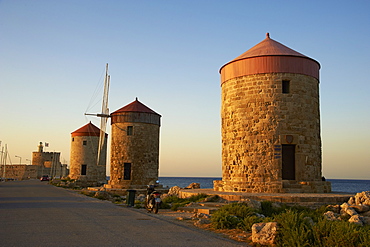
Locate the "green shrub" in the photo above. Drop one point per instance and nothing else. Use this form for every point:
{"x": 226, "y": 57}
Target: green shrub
{"x": 177, "y": 202}
{"x": 164, "y": 205}
{"x": 173, "y": 199}
{"x": 232, "y": 216}
{"x": 222, "y": 219}
{"x": 247, "y": 223}
{"x": 295, "y": 229}
{"x": 268, "y": 210}
{"x": 340, "y": 233}
{"x": 214, "y": 198}
{"x": 175, "y": 206}
{"x": 197, "y": 197}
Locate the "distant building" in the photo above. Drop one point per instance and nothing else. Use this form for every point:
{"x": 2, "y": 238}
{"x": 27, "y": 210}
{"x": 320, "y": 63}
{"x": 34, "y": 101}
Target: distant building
{"x": 134, "y": 161}
{"x": 48, "y": 163}
{"x": 84, "y": 165}
{"x": 43, "y": 163}
{"x": 271, "y": 122}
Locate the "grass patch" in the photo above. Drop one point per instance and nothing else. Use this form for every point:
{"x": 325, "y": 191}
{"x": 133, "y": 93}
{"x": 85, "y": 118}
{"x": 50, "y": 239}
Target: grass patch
{"x": 234, "y": 216}
{"x": 175, "y": 202}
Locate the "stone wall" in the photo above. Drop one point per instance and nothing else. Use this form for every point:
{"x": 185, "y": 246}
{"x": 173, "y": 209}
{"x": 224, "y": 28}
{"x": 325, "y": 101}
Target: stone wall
{"x": 257, "y": 119}
{"x": 19, "y": 172}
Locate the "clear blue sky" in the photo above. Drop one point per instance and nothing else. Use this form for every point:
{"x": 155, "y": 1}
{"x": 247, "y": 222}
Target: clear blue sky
{"x": 168, "y": 53}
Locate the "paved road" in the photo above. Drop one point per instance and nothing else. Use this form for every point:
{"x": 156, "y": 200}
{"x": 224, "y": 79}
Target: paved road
{"x": 34, "y": 213}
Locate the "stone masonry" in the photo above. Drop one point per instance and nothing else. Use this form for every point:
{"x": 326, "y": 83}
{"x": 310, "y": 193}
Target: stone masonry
{"x": 84, "y": 154}
{"x": 260, "y": 122}
{"x": 141, "y": 150}
{"x": 134, "y": 147}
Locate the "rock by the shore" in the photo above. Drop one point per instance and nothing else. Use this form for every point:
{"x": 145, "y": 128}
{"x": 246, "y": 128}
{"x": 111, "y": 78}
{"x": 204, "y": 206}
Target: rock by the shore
{"x": 174, "y": 191}
{"x": 265, "y": 233}
{"x": 363, "y": 198}
{"x": 330, "y": 215}
{"x": 193, "y": 186}
{"x": 357, "y": 209}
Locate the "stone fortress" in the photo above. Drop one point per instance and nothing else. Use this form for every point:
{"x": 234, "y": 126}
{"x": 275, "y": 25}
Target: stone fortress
{"x": 43, "y": 163}
{"x": 271, "y": 122}
{"x": 49, "y": 163}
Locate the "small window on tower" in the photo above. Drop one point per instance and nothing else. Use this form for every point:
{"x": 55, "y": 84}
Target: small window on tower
{"x": 84, "y": 143}
{"x": 286, "y": 86}
{"x": 127, "y": 171}
{"x": 83, "y": 169}
{"x": 73, "y": 139}
{"x": 130, "y": 130}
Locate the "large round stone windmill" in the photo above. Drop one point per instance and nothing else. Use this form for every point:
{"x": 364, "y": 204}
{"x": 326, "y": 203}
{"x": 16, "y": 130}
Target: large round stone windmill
{"x": 271, "y": 122}
{"x": 134, "y": 147}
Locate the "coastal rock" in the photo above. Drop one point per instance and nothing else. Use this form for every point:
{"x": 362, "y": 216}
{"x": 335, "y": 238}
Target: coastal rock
{"x": 350, "y": 211}
{"x": 344, "y": 205}
{"x": 351, "y": 200}
{"x": 346, "y": 209}
{"x": 193, "y": 186}
{"x": 265, "y": 233}
{"x": 360, "y": 208}
{"x": 334, "y": 208}
{"x": 330, "y": 215}
{"x": 201, "y": 215}
{"x": 174, "y": 191}
{"x": 202, "y": 221}
{"x": 363, "y": 198}
{"x": 356, "y": 219}
{"x": 252, "y": 203}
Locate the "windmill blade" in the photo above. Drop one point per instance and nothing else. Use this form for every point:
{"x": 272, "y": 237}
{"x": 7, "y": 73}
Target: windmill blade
{"x": 104, "y": 115}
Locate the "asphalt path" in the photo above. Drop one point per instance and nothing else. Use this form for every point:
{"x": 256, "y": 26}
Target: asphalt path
{"x": 34, "y": 213}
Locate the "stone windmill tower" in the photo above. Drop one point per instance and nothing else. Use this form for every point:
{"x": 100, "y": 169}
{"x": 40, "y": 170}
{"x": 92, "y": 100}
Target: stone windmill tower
{"x": 271, "y": 122}
{"x": 84, "y": 166}
{"x": 134, "y": 147}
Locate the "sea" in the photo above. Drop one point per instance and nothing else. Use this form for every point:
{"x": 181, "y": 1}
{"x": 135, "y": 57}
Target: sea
{"x": 351, "y": 186}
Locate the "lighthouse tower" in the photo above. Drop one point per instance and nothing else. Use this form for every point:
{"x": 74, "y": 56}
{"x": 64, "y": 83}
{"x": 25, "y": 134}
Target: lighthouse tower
{"x": 84, "y": 155}
{"x": 271, "y": 122}
{"x": 134, "y": 147}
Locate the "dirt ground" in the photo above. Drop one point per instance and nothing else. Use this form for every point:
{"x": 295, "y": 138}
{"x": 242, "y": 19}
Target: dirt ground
{"x": 186, "y": 218}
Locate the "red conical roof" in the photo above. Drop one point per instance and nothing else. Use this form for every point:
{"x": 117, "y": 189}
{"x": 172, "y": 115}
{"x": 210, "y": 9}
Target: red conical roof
{"x": 87, "y": 130}
{"x": 269, "y": 47}
{"x": 269, "y": 56}
{"x": 135, "y": 106}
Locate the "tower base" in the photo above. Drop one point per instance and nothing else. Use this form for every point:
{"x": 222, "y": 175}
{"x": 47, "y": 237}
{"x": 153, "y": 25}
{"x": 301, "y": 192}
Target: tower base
{"x": 284, "y": 186}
